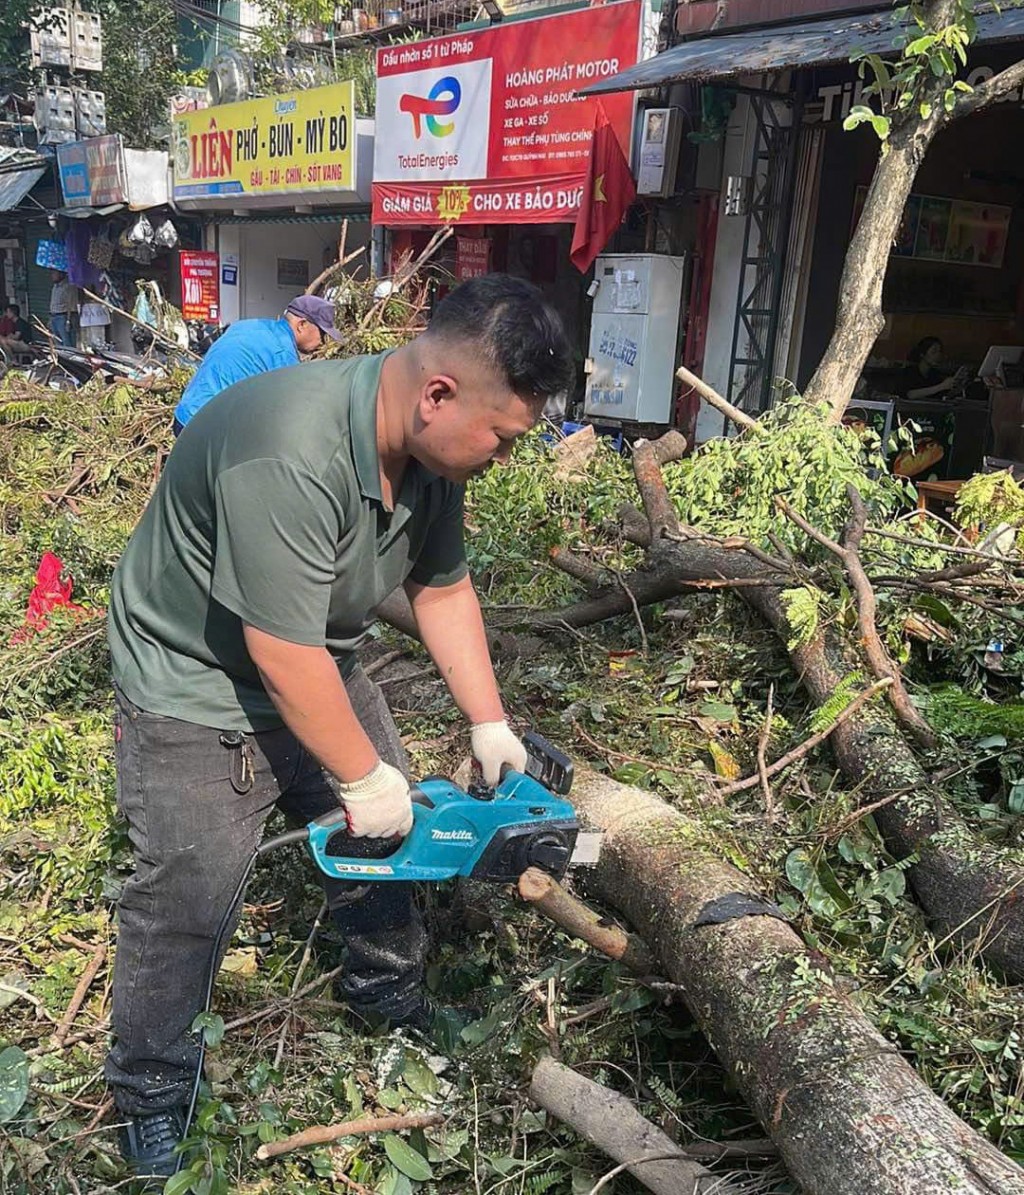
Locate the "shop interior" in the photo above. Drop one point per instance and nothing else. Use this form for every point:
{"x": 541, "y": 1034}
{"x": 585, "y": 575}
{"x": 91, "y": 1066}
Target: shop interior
{"x": 950, "y": 352}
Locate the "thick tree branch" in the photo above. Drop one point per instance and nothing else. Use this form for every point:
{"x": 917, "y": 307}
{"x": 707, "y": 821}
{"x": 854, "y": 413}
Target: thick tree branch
{"x": 648, "y": 458}
{"x": 874, "y": 649}
{"x": 989, "y": 92}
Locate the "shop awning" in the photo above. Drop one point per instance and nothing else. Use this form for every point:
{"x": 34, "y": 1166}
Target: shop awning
{"x": 83, "y": 213}
{"x": 354, "y": 216}
{"x": 812, "y": 43}
{"x": 16, "y": 184}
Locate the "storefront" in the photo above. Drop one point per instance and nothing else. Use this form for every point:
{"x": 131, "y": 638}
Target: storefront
{"x": 274, "y": 180}
{"x": 789, "y": 183}
{"x": 77, "y": 219}
{"x": 484, "y": 132}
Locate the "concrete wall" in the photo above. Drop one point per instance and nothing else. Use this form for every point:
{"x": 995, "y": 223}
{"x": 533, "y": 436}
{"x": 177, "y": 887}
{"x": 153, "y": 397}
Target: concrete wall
{"x": 259, "y": 247}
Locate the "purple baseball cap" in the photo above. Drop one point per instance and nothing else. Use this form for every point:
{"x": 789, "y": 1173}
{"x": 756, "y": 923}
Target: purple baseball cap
{"x": 317, "y": 311}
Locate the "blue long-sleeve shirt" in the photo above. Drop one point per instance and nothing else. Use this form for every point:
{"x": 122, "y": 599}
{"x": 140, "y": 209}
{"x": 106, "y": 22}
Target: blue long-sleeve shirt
{"x": 248, "y": 347}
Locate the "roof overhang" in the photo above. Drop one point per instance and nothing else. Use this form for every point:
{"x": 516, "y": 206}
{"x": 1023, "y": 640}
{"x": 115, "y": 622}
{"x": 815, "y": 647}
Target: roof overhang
{"x": 789, "y": 47}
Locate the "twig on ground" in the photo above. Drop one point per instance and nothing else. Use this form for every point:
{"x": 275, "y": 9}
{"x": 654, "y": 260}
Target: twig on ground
{"x": 808, "y": 745}
{"x": 381, "y": 662}
{"x": 322, "y": 1134}
{"x": 283, "y": 1005}
{"x": 299, "y": 972}
{"x": 762, "y": 766}
{"x": 611, "y": 753}
{"x": 78, "y": 998}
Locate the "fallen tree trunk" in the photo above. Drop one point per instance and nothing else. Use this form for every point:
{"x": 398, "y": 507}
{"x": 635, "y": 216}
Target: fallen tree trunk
{"x": 849, "y": 1115}
{"x": 972, "y": 893}
{"x": 611, "y": 1122}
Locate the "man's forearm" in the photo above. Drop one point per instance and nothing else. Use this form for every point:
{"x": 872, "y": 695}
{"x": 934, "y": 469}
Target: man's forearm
{"x": 308, "y": 692}
{"x": 452, "y": 629}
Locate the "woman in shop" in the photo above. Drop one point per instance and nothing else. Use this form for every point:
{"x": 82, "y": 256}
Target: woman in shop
{"x": 927, "y": 374}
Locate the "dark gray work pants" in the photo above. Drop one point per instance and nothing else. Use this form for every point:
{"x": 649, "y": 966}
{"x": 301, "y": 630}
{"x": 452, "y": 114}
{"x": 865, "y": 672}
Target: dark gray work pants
{"x": 192, "y": 833}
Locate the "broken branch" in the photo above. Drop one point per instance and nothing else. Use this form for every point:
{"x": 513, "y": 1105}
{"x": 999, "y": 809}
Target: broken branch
{"x": 547, "y": 895}
{"x": 612, "y": 1123}
{"x": 807, "y": 746}
{"x": 714, "y": 399}
{"x": 322, "y": 1134}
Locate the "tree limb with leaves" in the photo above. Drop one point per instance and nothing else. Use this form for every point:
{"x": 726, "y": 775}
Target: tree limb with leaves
{"x": 909, "y": 102}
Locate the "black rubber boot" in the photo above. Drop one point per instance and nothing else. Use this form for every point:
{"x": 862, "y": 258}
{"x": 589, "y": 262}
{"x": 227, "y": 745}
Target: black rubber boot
{"x": 149, "y": 1144}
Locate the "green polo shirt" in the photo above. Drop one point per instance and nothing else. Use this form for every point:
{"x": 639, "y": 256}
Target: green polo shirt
{"x": 269, "y": 512}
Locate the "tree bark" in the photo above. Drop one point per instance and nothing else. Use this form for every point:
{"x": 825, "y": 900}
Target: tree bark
{"x": 970, "y": 891}
{"x": 849, "y": 1115}
{"x": 859, "y": 318}
{"x": 613, "y": 1124}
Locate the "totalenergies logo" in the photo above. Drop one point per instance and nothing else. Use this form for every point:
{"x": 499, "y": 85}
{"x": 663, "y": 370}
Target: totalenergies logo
{"x": 442, "y": 100}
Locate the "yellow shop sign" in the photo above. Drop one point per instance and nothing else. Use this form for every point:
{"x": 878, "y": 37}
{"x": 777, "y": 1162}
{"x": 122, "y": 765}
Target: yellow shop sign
{"x": 279, "y": 145}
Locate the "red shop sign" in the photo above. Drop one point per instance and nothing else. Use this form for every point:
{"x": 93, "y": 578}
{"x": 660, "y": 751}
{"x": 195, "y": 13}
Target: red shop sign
{"x": 200, "y": 285}
{"x": 486, "y": 127}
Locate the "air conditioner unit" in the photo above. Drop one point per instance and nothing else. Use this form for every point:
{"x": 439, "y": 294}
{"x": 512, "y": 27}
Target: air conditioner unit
{"x": 91, "y": 113}
{"x": 230, "y": 78}
{"x": 55, "y": 115}
{"x": 86, "y": 41}
{"x": 50, "y": 37}
{"x": 658, "y": 155}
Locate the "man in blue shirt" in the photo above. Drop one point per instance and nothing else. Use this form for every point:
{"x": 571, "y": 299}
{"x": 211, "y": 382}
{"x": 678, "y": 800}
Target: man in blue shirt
{"x": 255, "y": 346}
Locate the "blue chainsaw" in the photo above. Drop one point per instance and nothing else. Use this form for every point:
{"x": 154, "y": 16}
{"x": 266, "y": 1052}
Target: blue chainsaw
{"x": 483, "y": 832}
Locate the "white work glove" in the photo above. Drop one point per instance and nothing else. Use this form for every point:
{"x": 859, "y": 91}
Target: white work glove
{"x": 379, "y": 805}
{"x": 494, "y": 745}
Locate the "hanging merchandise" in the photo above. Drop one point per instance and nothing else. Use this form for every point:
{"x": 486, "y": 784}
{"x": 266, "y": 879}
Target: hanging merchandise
{"x": 51, "y": 255}
{"x": 166, "y": 236}
{"x": 101, "y": 251}
{"x": 141, "y": 232}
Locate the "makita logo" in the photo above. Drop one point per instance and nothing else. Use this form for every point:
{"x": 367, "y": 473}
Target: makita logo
{"x": 451, "y": 835}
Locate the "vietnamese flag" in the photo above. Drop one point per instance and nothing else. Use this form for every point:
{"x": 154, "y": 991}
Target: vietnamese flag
{"x": 607, "y": 194}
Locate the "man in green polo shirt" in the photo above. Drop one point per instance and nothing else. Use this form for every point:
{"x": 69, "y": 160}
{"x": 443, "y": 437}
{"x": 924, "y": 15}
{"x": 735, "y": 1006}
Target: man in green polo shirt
{"x": 293, "y": 504}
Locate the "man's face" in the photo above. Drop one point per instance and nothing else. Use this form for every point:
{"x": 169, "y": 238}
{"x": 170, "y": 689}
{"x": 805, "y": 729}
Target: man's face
{"x": 468, "y": 419}
{"x": 308, "y": 337}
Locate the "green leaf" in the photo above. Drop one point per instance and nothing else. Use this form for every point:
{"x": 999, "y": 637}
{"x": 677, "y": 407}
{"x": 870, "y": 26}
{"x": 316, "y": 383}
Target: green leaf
{"x": 212, "y": 1027}
{"x": 890, "y": 885}
{"x": 479, "y": 1031}
{"x": 403, "y": 1157}
{"x": 920, "y": 45}
{"x": 395, "y": 1183}
{"x": 418, "y": 1077}
{"x": 992, "y": 742}
{"x": 925, "y": 109}
{"x": 881, "y": 126}
{"x": 179, "y": 1183}
{"x": 721, "y": 711}
{"x": 14, "y": 1066}
{"x": 1015, "y": 800}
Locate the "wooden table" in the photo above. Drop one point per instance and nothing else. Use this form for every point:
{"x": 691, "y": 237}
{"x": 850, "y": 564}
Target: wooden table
{"x": 942, "y": 493}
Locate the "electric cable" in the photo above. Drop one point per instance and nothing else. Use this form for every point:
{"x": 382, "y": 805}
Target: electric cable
{"x": 271, "y": 844}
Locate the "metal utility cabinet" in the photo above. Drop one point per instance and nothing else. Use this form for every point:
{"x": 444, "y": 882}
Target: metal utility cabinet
{"x": 633, "y": 336}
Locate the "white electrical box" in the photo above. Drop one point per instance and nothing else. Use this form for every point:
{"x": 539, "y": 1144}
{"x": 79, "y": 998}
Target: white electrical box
{"x": 633, "y": 336}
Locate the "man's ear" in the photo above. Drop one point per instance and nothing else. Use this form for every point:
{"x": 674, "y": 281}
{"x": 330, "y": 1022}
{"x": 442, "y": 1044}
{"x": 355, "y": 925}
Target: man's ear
{"x": 437, "y": 390}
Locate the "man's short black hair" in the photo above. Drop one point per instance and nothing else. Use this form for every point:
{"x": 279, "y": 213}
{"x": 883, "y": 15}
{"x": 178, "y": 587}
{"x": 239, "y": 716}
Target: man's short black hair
{"x": 515, "y": 326}
{"x": 15, "y": 308}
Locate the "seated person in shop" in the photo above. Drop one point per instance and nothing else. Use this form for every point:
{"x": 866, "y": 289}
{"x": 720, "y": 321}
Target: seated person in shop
{"x": 253, "y": 346}
{"x": 928, "y": 375}
{"x": 15, "y": 332}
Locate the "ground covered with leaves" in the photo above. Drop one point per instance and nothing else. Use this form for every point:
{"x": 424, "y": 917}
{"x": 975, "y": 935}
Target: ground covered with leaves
{"x": 673, "y": 699}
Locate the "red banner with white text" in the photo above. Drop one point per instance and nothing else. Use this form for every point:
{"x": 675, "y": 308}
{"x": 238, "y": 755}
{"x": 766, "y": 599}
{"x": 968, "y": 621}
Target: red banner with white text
{"x": 486, "y": 127}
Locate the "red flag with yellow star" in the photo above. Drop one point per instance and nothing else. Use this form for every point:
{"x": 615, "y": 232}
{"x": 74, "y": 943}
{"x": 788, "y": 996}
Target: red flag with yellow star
{"x": 607, "y": 194}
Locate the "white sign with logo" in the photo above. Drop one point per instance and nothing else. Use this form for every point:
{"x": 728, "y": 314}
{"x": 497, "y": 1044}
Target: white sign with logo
{"x": 433, "y": 123}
